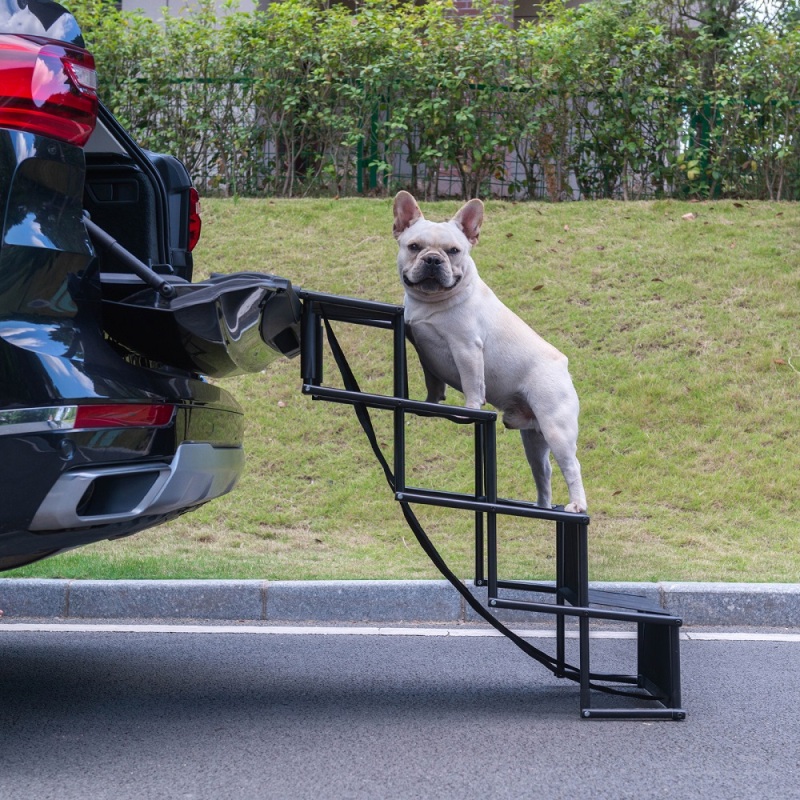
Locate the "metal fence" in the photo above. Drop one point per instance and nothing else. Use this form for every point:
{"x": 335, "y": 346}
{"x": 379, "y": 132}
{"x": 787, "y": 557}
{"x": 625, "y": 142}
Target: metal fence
{"x": 237, "y": 149}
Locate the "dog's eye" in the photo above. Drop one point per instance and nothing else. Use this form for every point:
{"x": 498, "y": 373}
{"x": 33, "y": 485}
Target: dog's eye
{"x": 453, "y": 251}
{"x": 413, "y": 247}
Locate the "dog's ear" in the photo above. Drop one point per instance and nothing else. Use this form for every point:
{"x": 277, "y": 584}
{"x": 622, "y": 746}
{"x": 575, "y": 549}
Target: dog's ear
{"x": 469, "y": 219}
{"x": 406, "y": 212}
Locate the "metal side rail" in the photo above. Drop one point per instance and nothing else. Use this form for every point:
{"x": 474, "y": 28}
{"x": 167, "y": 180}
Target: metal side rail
{"x": 653, "y": 691}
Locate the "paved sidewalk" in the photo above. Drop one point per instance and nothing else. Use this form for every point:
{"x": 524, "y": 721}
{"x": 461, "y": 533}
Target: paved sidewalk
{"x": 363, "y": 602}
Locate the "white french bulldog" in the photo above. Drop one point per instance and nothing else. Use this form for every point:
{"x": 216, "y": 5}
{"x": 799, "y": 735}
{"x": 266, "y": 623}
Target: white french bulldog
{"x": 466, "y": 338}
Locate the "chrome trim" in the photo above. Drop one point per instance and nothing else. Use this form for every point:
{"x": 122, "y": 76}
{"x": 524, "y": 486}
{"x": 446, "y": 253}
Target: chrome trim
{"x": 199, "y": 472}
{"x": 37, "y": 420}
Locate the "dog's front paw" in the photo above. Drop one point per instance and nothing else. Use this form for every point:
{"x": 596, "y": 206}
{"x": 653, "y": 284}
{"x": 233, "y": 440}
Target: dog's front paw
{"x": 575, "y": 508}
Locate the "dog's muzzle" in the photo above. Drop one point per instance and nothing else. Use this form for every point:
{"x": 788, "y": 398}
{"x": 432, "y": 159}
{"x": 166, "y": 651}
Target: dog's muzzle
{"x": 431, "y": 274}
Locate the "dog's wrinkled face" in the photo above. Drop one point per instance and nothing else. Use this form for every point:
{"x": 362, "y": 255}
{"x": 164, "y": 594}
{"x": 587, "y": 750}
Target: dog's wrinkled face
{"x": 434, "y": 257}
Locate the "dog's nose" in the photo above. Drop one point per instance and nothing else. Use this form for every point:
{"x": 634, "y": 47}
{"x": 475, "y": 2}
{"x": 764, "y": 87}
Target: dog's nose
{"x": 433, "y": 260}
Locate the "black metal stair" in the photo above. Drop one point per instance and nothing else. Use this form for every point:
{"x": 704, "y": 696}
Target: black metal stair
{"x": 655, "y": 687}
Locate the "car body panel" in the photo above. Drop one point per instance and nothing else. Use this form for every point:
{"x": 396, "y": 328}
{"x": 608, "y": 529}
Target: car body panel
{"x": 94, "y": 327}
{"x": 40, "y": 18}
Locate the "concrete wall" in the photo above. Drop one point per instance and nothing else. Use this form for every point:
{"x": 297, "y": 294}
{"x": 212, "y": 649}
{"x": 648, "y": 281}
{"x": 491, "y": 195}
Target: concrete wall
{"x": 156, "y": 9}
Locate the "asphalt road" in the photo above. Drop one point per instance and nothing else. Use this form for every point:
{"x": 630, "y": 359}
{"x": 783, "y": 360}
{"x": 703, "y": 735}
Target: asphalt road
{"x": 265, "y": 715}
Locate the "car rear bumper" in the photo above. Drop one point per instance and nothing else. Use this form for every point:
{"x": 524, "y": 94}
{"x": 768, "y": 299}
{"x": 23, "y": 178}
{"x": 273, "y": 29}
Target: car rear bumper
{"x": 103, "y": 495}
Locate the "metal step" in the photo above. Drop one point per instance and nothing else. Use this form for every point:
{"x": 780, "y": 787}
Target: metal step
{"x": 656, "y": 682}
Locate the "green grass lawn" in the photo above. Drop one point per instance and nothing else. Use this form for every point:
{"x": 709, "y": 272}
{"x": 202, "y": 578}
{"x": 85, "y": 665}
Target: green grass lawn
{"x": 684, "y": 345}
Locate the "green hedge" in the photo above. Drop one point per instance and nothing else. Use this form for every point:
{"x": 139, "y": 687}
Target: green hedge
{"x": 619, "y": 98}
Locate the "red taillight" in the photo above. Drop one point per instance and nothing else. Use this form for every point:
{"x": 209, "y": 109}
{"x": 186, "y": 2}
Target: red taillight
{"x": 195, "y": 223}
{"x": 127, "y": 415}
{"x": 47, "y": 87}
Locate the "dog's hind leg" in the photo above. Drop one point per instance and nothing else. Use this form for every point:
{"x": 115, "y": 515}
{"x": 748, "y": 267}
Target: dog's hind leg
{"x": 565, "y": 448}
{"x": 537, "y": 451}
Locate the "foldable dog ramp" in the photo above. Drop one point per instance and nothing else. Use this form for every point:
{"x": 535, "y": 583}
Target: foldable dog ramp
{"x": 653, "y": 691}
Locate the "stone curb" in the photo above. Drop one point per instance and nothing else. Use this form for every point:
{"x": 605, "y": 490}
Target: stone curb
{"x": 363, "y": 602}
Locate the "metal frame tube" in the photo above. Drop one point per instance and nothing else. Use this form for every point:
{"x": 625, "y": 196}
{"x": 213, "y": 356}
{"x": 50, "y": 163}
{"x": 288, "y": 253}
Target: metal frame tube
{"x": 572, "y": 595}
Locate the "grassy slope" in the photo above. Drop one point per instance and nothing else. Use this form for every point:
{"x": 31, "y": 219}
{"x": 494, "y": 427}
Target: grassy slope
{"x": 684, "y": 347}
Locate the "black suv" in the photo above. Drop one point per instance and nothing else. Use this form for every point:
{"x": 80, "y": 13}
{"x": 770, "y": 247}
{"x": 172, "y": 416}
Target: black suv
{"x": 107, "y": 422}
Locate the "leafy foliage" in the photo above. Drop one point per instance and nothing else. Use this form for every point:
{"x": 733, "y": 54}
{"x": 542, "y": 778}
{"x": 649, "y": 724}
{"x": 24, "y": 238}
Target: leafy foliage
{"x": 614, "y": 98}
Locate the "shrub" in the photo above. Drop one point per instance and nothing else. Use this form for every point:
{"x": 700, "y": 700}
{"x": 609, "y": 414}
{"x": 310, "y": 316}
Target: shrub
{"x": 617, "y": 98}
